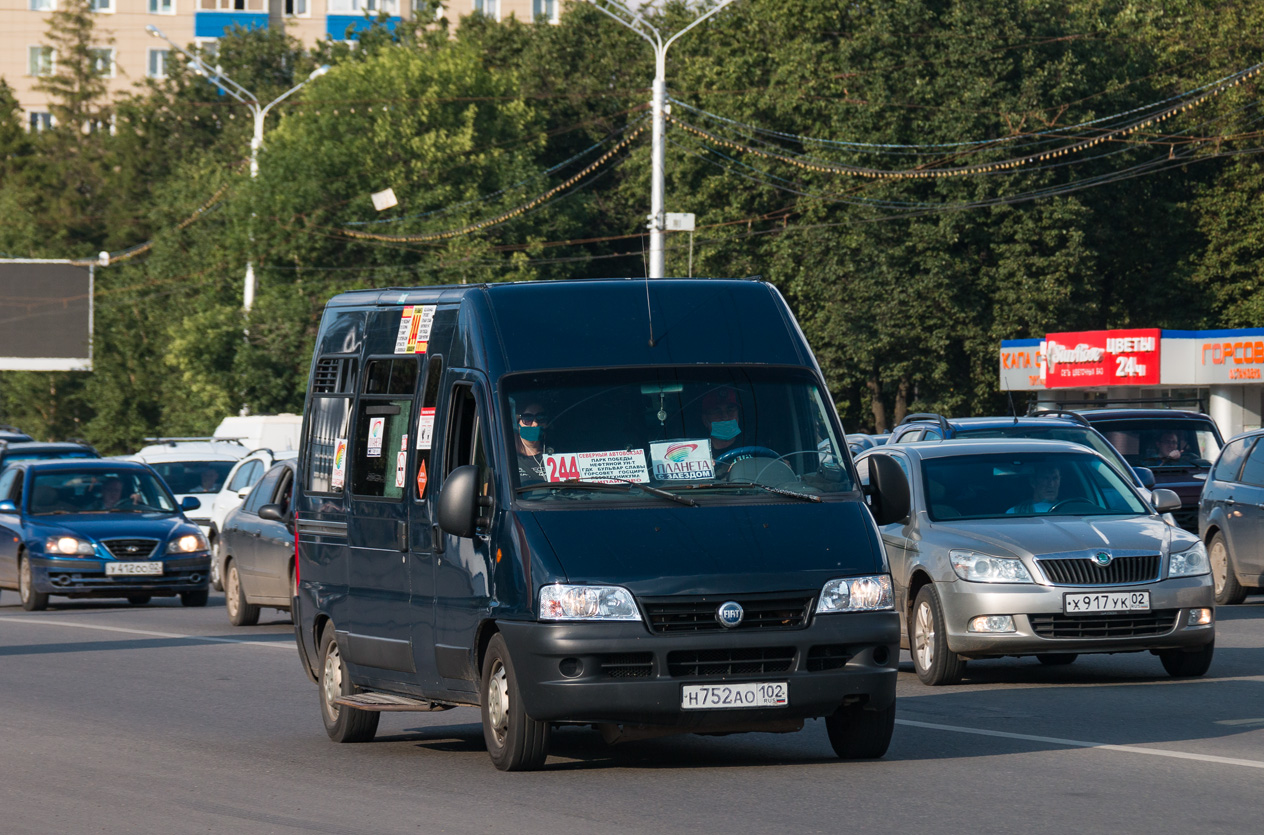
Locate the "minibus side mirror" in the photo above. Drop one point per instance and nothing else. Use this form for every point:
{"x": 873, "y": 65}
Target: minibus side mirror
{"x": 1146, "y": 476}
{"x": 458, "y": 502}
{"x": 1165, "y": 501}
{"x": 889, "y": 489}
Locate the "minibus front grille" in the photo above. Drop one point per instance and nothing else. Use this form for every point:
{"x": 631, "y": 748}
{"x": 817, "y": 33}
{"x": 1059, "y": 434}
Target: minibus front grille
{"x": 1127, "y": 625}
{"x": 627, "y": 665}
{"x": 729, "y": 662}
{"x": 698, "y": 614}
{"x": 829, "y": 657}
{"x": 1121, "y": 571}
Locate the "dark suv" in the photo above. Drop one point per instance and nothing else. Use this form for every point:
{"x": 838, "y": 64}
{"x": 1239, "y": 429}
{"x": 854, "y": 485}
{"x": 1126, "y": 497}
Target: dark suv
{"x": 1177, "y": 446}
{"x": 11, "y": 451}
{"x": 1048, "y": 425}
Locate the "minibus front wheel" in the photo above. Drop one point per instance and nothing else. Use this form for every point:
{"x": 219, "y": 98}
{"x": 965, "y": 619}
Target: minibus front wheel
{"x": 515, "y": 741}
{"x": 342, "y": 722}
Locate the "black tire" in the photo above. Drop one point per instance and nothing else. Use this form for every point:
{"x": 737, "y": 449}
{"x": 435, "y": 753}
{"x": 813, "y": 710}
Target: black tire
{"x": 928, "y": 642}
{"x": 515, "y": 741}
{"x": 342, "y": 723}
{"x": 1057, "y": 659}
{"x": 1229, "y": 592}
{"x": 240, "y": 613}
{"x": 195, "y": 599}
{"x": 32, "y": 600}
{"x": 1181, "y": 663}
{"x": 139, "y": 599}
{"x": 859, "y": 734}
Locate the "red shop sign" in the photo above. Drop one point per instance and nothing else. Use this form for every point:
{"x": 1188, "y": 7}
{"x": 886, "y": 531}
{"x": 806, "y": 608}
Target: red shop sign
{"x": 1102, "y": 358}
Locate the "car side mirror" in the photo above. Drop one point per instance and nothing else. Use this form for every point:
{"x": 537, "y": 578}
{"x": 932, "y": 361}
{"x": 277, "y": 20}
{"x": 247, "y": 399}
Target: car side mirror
{"x": 889, "y": 489}
{"x": 1165, "y": 501}
{"x": 1146, "y": 476}
{"x": 190, "y": 503}
{"x": 273, "y": 513}
{"x": 7, "y": 506}
{"x": 458, "y": 504}
{"x": 244, "y": 492}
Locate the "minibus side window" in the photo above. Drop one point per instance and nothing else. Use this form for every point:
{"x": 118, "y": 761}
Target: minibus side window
{"x": 333, "y": 385}
{"x": 426, "y": 417}
{"x": 383, "y": 424}
{"x": 466, "y": 444}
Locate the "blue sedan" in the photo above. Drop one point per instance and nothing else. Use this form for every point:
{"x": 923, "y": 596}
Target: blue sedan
{"x": 102, "y": 528}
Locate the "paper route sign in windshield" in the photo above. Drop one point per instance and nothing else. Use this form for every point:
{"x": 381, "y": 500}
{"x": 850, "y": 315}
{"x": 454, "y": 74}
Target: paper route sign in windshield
{"x": 683, "y": 460}
{"x": 613, "y": 466}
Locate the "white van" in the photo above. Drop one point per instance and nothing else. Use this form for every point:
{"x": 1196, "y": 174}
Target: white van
{"x": 262, "y": 431}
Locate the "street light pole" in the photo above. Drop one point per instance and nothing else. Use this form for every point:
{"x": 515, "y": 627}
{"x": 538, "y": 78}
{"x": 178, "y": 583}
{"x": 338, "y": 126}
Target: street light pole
{"x": 260, "y": 113}
{"x": 658, "y": 102}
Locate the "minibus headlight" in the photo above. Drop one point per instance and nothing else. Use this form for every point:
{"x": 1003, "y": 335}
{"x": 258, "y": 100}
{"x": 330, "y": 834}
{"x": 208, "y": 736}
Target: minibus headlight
{"x": 856, "y": 594}
{"x": 564, "y": 602}
{"x": 1189, "y": 563}
{"x": 187, "y": 544}
{"x": 69, "y": 545}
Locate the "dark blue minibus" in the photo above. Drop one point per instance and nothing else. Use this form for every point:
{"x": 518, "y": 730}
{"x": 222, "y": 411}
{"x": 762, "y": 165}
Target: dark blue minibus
{"x": 626, "y": 504}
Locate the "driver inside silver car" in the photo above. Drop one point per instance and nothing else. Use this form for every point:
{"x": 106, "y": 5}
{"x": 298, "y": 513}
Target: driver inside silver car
{"x": 1045, "y": 483}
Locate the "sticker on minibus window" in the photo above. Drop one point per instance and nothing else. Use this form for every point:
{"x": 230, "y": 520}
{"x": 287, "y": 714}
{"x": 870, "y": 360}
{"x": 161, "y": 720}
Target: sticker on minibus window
{"x": 414, "y": 329}
{"x": 682, "y": 460}
{"x": 377, "y": 426}
{"x": 613, "y": 466}
{"x": 401, "y": 468}
{"x": 339, "y": 474}
{"x": 425, "y": 427}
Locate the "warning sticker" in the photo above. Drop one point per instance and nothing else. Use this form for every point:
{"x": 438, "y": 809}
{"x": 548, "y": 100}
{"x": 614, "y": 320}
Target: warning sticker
{"x": 377, "y": 426}
{"x": 425, "y": 427}
{"x": 421, "y": 480}
{"x": 339, "y": 474}
{"x": 683, "y": 460}
{"x": 611, "y": 467}
{"x": 414, "y": 329}
{"x": 401, "y": 468}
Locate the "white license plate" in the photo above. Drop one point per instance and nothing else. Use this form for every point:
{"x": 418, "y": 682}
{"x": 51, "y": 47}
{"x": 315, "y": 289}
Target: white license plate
{"x": 713, "y": 696}
{"x": 1106, "y": 601}
{"x": 116, "y": 569}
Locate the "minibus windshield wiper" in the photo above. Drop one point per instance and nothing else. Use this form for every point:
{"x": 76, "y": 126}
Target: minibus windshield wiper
{"x": 731, "y": 485}
{"x": 655, "y": 491}
{"x": 622, "y": 485}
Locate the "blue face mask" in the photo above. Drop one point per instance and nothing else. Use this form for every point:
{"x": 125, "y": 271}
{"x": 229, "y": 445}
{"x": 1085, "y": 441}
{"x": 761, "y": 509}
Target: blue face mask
{"x": 530, "y": 434}
{"x": 725, "y": 430}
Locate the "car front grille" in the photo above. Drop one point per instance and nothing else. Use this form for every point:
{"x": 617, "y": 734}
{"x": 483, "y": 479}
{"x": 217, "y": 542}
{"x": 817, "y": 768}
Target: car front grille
{"x": 1129, "y": 625}
{"x": 627, "y": 665}
{"x": 130, "y": 549}
{"x": 1187, "y": 518}
{"x": 697, "y": 614}
{"x": 1084, "y": 572}
{"x": 730, "y": 662}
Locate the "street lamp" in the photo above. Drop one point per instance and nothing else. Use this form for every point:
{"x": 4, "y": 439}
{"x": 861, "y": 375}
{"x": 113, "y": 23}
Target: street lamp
{"x": 216, "y": 76}
{"x": 638, "y": 24}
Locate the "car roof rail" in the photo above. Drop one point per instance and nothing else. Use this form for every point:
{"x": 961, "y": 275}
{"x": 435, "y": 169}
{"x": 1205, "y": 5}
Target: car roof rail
{"x": 1075, "y": 416}
{"x": 918, "y": 417}
{"x": 1136, "y": 402}
{"x": 4, "y": 427}
{"x": 193, "y": 438}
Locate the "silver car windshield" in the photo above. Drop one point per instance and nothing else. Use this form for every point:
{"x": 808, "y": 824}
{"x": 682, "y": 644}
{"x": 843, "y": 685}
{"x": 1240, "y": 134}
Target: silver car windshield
{"x": 1075, "y": 434}
{"x": 1001, "y": 486}
{"x": 620, "y": 435}
{"x": 98, "y": 491}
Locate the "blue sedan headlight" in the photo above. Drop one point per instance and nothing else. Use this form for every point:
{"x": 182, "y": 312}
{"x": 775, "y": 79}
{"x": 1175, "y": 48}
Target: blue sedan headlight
{"x": 187, "y": 544}
{"x": 69, "y": 546}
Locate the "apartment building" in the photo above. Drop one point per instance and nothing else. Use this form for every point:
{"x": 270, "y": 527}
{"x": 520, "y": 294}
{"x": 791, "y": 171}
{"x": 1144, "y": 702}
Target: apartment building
{"x": 133, "y": 54}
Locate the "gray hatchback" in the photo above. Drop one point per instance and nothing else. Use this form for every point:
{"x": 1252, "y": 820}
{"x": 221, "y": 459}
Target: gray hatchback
{"x": 1013, "y": 548}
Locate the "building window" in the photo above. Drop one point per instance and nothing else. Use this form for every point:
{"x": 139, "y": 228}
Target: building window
{"x": 43, "y": 5}
{"x": 491, "y": 8}
{"x": 162, "y": 6}
{"x": 296, "y": 8}
{"x": 422, "y": 7}
{"x": 391, "y": 7}
{"x": 158, "y": 62}
{"x": 103, "y": 62}
{"x": 105, "y": 6}
{"x": 233, "y": 5}
{"x": 41, "y": 121}
{"x": 39, "y": 60}
{"x": 208, "y": 49}
{"x": 545, "y": 11}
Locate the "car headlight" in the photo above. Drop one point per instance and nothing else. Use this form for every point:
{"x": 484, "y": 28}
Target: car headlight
{"x": 187, "y": 544}
{"x": 984, "y": 568}
{"x": 69, "y": 545}
{"x": 563, "y": 602}
{"x": 856, "y": 594}
{"x": 1189, "y": 563}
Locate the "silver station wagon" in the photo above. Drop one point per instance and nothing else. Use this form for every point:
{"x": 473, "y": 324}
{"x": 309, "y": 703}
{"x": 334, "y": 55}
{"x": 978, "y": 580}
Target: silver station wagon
{"x": 1018, "y": 548}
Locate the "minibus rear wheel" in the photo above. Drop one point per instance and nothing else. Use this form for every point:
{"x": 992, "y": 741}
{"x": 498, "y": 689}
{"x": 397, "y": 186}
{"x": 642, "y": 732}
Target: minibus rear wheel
{"x": 515, "y": 741}
{"x": 342, "y": 723}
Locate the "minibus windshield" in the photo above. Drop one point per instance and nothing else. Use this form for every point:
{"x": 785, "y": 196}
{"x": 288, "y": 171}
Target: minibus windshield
{"x": 692, "y": 432}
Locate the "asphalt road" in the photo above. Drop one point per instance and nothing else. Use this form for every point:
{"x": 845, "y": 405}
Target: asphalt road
{"x": 167, "y": 720}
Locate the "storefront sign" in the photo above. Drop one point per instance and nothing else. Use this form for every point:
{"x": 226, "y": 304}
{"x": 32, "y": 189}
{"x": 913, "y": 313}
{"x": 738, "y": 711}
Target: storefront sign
{"x": 1022, "y": 365}
{"x": 1102, "y": 358}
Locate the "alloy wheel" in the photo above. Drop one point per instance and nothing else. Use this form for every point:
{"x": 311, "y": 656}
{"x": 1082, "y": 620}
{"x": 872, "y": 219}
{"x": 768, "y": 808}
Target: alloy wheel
{"x": 231, "y": 591}
{"x": 25, "y": 581}
{"x": 924, "y": 636}
{"x": 1219, "y": 559}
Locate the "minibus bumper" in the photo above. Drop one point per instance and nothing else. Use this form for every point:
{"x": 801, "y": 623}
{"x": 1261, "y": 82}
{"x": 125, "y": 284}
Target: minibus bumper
{"x": 620, "y": 672}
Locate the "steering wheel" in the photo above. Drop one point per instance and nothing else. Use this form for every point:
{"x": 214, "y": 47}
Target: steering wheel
{"x": 729, "y": 455}
{"x": 1073, "y": 500}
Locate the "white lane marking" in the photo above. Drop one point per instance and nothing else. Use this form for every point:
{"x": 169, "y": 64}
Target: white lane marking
{"x": 1077, "y": 743}
{"x": 148, "y": 634}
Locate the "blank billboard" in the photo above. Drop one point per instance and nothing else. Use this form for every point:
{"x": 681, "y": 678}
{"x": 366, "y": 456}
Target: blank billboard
{"x": 45, "y": 316}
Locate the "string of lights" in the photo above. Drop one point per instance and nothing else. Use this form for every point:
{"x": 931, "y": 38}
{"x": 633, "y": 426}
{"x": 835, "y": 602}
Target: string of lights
{"x": 118, "y": 256}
